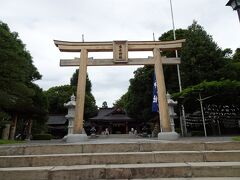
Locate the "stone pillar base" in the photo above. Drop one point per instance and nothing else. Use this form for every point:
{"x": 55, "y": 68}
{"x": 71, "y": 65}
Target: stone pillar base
{"x": 75, "y": 138}
{"x": 169, "y": 136}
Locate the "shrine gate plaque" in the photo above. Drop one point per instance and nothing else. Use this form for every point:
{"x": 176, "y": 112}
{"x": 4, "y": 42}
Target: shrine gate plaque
{"x": 120, "y": 51}
{"x": 120, "y": 58}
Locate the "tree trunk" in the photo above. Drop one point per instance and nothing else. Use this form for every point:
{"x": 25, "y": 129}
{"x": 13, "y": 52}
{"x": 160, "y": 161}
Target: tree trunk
{"x": 13, "y": 127}
{"x": 29, "y": 129}
{"x": 5, "y": 133}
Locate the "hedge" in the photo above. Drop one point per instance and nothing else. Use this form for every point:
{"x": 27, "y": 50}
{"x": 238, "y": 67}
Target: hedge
{"x": 42, "y": 137}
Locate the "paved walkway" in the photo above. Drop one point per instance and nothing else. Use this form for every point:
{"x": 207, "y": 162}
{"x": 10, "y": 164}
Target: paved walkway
{"x": 124, "y": 139}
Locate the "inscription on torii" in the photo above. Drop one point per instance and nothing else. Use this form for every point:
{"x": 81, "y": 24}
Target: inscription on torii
{"x": 120, "y": 51}
{"x": 120, "y": 57}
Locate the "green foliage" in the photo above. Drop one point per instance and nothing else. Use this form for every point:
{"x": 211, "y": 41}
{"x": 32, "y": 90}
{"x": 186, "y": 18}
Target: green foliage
{"x": 10, "y": 141}
{"x": 138, "y": 100}
{"x": 90, "y": 108}
{"x": 57, "y": 96}
{"x": 236, "y": 138}
{"x": 227, "y": 53}
{"x": 212, "y": 88}
{"x": 168, "y": 36}
{"x": 121, "y": 103}
{"x": 220, "y": 92}
{"x": 42, "y": 137}
{"x": 17, "y": 71}
{"x": 200, "y": 54}
{"x": 236, "y": 56}
{"x": 197, "y": 133}
{"x": 18, "y": 94}
{"x": 40, "y": 102}
{"x": 230, "y": 71}
{"x": 39, "y": 125}
{"x": 4, "y": 117}
{"x": 204, "y": 68}
{"x": 74, "y": 81}
{"x": 170, "y": 72}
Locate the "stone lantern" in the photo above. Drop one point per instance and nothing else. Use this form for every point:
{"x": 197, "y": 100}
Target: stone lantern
{"x": 71, "y": 113}
{"x": 172, "y": 114}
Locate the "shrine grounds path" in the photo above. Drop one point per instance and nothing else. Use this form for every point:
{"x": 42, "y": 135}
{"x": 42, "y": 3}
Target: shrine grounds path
{"x": 127, "y": 139}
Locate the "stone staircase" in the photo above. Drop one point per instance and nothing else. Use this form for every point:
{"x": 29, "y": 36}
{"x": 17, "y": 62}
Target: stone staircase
{"x": 120, "y": 161}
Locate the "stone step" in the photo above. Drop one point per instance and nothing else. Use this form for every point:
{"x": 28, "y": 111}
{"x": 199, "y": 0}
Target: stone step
{"x": 199, "y": 178}
{"x": 119, "y": 158}
{"x": 29, "y": 149}
{"x": 124, "y": 171}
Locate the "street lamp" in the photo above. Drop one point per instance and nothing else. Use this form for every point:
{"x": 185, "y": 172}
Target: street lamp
{"x": 235, "y": 4}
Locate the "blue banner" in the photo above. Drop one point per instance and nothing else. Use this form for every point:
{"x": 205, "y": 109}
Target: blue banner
{"x": 155, "y": 95}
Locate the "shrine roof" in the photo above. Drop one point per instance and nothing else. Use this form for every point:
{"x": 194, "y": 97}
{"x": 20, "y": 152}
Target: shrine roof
{"x": 111, "y": 114}
{"x": 56, "y": 120}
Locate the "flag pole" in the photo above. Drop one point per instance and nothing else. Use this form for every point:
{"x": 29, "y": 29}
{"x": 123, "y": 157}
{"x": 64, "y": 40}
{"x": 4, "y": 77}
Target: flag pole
{"x": 183, "y": 122}
{"x": 176, "y": 52}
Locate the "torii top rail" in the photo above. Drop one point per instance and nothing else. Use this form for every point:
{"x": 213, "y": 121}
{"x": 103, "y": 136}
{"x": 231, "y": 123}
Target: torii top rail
{"x": 120, "y": 57}
{"x": 66, "y": 46}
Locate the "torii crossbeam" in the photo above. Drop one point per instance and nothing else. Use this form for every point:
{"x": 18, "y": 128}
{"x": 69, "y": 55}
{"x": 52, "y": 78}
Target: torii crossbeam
{"x": 120, "y": 58}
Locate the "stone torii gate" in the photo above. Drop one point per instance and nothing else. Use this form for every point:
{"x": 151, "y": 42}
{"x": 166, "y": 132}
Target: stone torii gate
{"x": 120, "y": 58}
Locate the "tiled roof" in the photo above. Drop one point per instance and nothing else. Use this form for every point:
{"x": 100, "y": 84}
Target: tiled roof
{"x": 111, "y": 114}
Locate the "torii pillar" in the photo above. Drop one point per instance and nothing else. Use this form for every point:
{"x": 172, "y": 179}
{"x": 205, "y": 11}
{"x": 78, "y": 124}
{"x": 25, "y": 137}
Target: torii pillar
{"x": 79, "y": 134}
{"x": 81, "y": 87}
{"x": 120, "y": 58}
{"x": 165, "y": 124}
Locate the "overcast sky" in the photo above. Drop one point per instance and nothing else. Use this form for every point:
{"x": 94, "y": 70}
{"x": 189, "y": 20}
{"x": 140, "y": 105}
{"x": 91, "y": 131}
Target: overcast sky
{"x": 40, "y": 22}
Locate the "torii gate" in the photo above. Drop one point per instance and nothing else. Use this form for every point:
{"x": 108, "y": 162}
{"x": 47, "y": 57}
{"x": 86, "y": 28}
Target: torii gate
{"x": 120, "y": 58}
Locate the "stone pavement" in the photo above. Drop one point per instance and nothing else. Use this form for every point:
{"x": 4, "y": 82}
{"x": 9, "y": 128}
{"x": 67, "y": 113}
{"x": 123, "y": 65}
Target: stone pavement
{"x": 129, "y": 139}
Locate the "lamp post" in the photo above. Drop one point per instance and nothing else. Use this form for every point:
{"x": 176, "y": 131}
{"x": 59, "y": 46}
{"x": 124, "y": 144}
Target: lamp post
{"x": 235, "y": 4}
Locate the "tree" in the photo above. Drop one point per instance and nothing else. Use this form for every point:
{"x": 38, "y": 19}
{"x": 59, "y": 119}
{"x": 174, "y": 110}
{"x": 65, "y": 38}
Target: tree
{"x": 138, "y": 100}
{"x": 90, "y": 108}
{"x": 17, "y": 71}
{"x": 201, "y": 58}
{"x": 170, "y": 72}
{"x": 122, "y": 101}
{"x": 221, "y": 92}
{"x": 236, "y": 56}
{"x": 231, "y": 69}
{"x": 17, "y": 91}
{"x": 59, "y": 95}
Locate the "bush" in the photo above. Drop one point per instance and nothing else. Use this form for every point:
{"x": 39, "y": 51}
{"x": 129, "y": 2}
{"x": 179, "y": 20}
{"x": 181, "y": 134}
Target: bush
{"x": 178, "y": 130}
{"x": 236, "y": 138}
{"x": 197, "y": 133}
{"x": 42, "y": 137}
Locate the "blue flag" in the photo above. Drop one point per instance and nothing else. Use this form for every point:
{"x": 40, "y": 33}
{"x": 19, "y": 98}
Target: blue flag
{"x": 155, "y": 95}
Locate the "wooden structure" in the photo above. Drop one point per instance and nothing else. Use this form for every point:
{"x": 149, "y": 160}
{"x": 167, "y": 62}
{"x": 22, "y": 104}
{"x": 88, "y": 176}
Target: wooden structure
{"x": 115, "y": 119}
{"x": 57, "y": 125}
{"x": 120, "y": 58}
